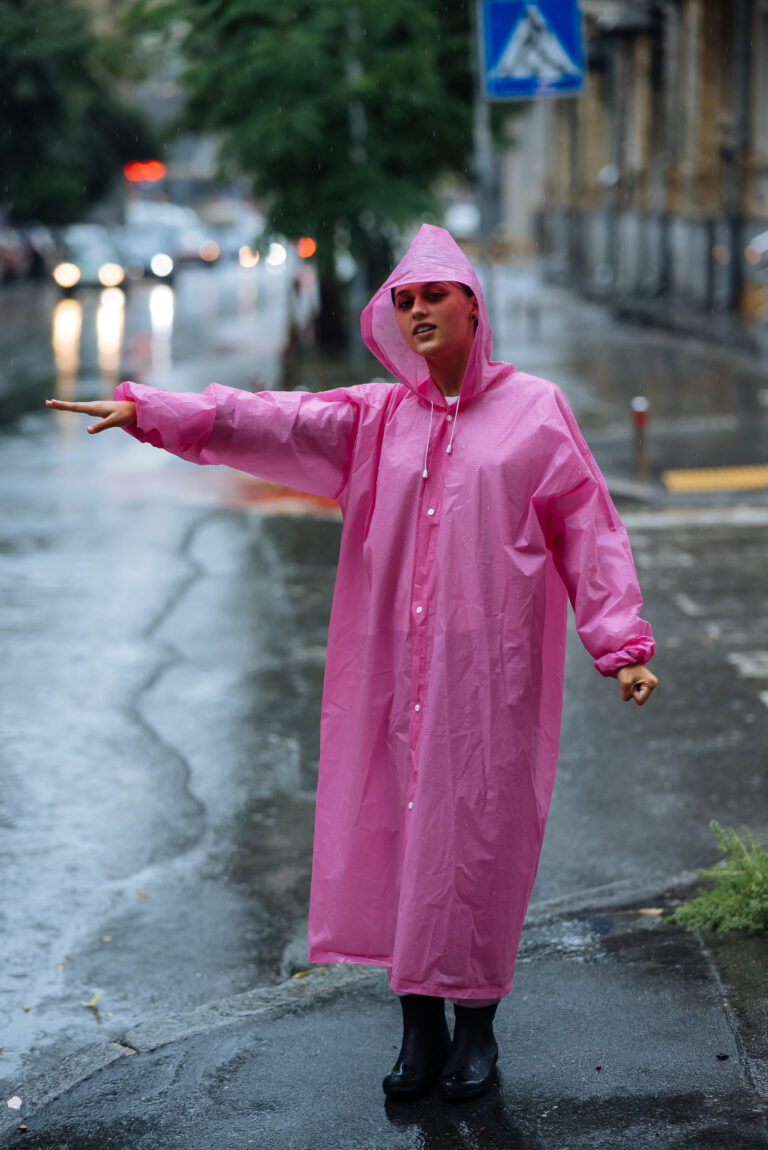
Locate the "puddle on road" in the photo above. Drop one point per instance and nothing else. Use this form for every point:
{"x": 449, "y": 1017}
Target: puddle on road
{"x": 627, "y": 932}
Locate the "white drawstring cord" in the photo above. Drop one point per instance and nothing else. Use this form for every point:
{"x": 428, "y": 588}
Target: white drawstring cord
{"x": 449, "y": 448}
{"x": 425, "y": 474}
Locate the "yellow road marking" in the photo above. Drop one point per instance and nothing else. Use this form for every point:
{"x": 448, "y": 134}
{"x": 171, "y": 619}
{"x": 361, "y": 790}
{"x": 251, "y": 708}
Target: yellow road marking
{"x": 751, "y": 478}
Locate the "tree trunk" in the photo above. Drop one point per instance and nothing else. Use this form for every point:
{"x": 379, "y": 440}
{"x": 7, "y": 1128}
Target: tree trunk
{"x": 331, "y": 322}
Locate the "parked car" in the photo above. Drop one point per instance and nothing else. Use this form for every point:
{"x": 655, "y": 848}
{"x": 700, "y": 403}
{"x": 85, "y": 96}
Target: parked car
{"x": 41, "y": 249}
{"x": 147, "y": 253}
{"x": 196, "y": 245}
{"x": 188, "y": 239}
{"x": 235, "y": 229}
{"x": 15, "y": 256}
{"x": 90, "y": 259}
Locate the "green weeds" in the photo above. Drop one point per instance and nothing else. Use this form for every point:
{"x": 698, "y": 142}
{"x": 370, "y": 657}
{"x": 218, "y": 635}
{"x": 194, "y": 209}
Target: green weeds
{"x": 738, "y": 899}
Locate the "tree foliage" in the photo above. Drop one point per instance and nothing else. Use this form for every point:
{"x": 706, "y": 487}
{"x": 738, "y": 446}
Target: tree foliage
{"x": 64, "y": 133}
{"x": 345, "y": 113}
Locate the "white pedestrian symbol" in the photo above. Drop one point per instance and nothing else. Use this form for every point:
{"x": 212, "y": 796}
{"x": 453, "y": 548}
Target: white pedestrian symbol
{"x": 533, "y": 49}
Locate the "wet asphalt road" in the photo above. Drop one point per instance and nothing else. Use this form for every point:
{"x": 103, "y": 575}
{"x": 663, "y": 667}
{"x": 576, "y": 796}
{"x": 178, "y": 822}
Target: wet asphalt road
{"x": 164, "y": 635}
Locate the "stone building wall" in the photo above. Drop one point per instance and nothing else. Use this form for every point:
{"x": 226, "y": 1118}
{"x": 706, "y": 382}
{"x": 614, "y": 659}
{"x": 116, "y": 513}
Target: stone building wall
{"x": 657, "y": 175}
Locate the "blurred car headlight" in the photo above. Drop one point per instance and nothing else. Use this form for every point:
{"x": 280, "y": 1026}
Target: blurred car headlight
{"x": 248, "y": 257}
{"x": 277, "y": 255}
{"x": 66, "y": 275}
{"x": 161, "y": 265}
{"x": 110, "y": 275}
{"x": 209, "y": 251}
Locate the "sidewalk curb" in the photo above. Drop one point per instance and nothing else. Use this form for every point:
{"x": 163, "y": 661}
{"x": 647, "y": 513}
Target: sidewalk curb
{"x": 318, "y": 985}
{"x": 306, "y": 991}
{"x": 611, "y": 896}
{"x": 301, "y": 992}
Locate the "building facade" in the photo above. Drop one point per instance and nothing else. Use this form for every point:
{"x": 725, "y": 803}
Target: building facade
{"x": 656, "y": 175}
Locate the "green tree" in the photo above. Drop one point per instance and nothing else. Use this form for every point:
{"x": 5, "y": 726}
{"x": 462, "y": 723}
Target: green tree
{"x": 345, "y": 113}
{"x": 64, "y": 132}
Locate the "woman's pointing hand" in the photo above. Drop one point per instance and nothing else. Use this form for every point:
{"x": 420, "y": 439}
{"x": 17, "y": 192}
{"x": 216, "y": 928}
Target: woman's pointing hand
{"x": 109, "y": 412}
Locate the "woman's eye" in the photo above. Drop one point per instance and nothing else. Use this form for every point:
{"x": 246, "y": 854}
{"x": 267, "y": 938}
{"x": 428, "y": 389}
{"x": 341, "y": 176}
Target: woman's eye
{"x": 404, "y": 304}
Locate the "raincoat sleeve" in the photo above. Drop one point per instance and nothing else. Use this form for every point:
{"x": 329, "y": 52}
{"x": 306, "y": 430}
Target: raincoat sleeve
{"x": 294, "y": 438}
{"x": 591, "y": 551}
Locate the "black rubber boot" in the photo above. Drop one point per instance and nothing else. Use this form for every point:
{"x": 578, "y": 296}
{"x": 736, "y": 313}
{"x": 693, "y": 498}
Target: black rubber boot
{"x": 426, "y": 1043}
{"x": 472, "y": 1058}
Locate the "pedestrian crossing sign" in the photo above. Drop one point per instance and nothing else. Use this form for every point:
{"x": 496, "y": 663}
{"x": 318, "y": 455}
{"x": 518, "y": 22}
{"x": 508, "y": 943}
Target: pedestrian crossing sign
{"x": 530, "y": 50}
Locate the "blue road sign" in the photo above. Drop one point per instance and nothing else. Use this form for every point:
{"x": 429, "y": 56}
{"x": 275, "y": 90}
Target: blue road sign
{"x": 531, "y": 49}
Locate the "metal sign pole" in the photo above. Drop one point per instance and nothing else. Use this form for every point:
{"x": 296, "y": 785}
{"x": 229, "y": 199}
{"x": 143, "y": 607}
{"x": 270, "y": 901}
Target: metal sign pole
{"x": 484, "y": 165}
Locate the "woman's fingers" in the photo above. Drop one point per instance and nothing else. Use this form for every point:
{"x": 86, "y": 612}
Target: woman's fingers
{"x": 122, "y": 414}
{"x": 93, "y": 407}
{"x": 109, "y": 412}
{"x": 102, "y": 425}
{"x": 640, "y": 692}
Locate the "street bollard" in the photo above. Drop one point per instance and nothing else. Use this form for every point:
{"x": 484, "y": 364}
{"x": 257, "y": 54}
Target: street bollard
{"x": 640, "y": 414}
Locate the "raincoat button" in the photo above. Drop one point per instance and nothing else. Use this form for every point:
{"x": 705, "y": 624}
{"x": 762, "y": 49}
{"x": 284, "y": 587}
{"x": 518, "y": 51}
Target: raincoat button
{"x": 449, "y": 418}
{"x": 417, "y": 707}
{"x": 419, "y": 610}
{"x": 430, "y": 511}
{"x": 410, "y": 806}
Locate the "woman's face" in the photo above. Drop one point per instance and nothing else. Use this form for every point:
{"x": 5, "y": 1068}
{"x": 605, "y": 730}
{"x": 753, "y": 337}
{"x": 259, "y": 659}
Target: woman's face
{"x": 436, "y": 318}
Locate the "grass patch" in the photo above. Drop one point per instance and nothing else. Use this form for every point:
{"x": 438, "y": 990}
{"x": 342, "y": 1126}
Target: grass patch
{"x": 738, "y": 899}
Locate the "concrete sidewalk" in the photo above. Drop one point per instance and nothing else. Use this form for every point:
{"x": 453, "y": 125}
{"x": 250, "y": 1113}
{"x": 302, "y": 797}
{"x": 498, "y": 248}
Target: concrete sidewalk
{"x": 621, "y": 1032}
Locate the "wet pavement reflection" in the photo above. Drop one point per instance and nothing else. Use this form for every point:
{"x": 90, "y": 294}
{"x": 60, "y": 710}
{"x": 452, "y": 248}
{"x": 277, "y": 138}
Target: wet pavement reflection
{"x": 120, "y": 867}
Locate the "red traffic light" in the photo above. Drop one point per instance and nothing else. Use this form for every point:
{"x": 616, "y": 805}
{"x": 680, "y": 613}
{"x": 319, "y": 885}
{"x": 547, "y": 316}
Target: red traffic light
{"x": 144, "y": 171}
{"x": 306, "y": 247}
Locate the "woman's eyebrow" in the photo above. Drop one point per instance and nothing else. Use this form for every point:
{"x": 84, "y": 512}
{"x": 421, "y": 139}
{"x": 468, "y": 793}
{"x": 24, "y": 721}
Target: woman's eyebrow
{"x": 424, "y": 287}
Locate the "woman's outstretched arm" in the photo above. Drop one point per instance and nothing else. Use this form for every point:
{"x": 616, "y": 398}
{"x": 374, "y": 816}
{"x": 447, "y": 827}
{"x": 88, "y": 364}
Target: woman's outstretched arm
{"x": 299, "y": 439}
{"x": 108, "y": 412}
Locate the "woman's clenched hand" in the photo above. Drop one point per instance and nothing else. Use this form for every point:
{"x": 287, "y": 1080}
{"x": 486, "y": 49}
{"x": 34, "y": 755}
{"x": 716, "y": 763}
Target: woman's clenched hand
{"x": 637, "y": 683}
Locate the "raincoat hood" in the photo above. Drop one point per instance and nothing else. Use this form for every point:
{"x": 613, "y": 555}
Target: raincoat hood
{"x": 432, "y": 255}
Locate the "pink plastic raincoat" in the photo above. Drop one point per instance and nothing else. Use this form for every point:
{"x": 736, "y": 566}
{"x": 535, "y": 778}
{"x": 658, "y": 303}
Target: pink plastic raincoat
{"x": 465, "y": 531}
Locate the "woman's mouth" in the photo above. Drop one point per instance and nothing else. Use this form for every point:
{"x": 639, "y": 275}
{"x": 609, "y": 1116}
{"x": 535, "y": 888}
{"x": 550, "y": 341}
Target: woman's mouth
{"x": 424, "y": 328}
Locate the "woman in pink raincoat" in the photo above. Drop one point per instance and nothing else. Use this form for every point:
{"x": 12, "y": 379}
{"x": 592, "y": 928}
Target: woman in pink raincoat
{"x": 473, "y": 510}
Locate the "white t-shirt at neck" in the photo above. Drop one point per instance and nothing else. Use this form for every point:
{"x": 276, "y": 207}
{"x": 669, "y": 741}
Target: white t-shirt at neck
{"x": 450, "y": 399}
